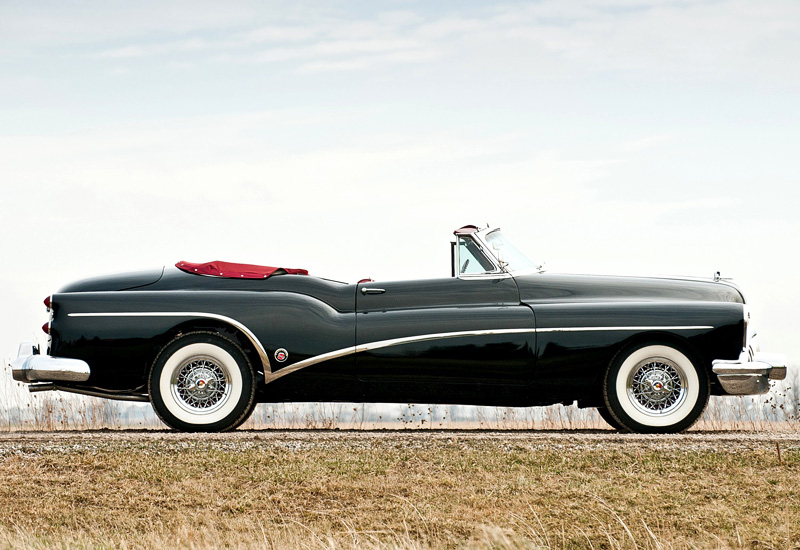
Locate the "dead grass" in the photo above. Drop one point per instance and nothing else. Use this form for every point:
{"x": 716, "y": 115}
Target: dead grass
{"x": 398, "y": 490}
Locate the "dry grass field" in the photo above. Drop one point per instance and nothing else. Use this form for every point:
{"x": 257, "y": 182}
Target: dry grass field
{"x": 407, "y": 489}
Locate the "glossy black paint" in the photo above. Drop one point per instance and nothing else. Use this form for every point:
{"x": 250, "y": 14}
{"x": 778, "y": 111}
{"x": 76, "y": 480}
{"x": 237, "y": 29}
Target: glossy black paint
{"x": 530, "y": 360}
{"x": 548, "y": 288}
{"x": 123, "y": 281}
{"x": 120, "y": 349}
{"x": 578, "y": 360}
{"x": 457, "y": 366}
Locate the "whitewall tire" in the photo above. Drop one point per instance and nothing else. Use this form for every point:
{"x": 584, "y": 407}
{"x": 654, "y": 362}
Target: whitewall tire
{"x": 655, "y": 388}
{"x": 202, "y": 381}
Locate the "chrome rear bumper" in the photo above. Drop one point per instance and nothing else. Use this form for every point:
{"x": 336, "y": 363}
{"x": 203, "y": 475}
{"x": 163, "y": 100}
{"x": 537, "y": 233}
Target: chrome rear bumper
{"x": 750, "y": 375}
{"x": 29, "y": 366}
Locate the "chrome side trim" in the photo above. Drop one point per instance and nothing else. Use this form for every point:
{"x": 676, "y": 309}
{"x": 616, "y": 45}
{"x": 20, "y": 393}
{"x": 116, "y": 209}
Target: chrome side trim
{"x": 262, "y": 354}
{"x": 271, "y": 376}
{"x": 439, "y": 336}
{"x": 444, "y": 335}
{"x": 606, "y": 329}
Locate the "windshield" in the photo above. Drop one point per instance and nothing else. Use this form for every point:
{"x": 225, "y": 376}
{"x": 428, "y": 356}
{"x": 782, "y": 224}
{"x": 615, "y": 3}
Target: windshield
{"x": 509, "y": 255}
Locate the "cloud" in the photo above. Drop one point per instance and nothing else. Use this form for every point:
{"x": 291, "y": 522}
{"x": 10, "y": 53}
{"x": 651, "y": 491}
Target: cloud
{"x": 657, "y": 40}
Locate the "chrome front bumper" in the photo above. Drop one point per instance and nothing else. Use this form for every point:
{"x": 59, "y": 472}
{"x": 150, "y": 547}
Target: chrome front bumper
{"x": 750, "y": 374}
{"x": 29, "y": 366}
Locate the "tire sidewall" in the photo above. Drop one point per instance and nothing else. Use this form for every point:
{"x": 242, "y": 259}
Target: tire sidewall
{"x": 226, "y": 353}
{"x": 620, "y": 404}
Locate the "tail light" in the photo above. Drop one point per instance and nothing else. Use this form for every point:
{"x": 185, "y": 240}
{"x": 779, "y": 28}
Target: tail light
{"x": 48, "y": 302}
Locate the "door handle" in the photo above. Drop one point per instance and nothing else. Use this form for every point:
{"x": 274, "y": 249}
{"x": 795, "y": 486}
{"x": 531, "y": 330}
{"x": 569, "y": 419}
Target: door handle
{"x": 365, "y": 290}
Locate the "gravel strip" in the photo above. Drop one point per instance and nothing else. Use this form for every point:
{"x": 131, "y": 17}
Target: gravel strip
{"x": 158, "y": 442}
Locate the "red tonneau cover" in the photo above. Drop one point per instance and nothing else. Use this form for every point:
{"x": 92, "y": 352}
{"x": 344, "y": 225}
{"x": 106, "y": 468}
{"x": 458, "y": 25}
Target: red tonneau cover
{"x": 236, "y": 271}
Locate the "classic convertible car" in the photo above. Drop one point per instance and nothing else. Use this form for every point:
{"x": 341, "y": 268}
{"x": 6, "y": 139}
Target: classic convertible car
{"x": 205, "y": 342}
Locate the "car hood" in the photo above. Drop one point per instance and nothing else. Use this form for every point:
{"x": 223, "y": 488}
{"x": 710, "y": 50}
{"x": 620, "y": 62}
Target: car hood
{"x": 121, "y": 281}
{"x": 549, "y": 287}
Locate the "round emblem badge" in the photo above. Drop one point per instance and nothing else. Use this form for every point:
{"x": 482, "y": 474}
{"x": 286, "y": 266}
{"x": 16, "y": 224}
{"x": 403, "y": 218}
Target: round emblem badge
{"x": 281, "y": 355}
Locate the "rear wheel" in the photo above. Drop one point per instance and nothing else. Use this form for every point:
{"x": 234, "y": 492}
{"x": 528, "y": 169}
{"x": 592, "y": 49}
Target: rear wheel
{"x": 655, "y": 388}
{"x": 202, "y": 382}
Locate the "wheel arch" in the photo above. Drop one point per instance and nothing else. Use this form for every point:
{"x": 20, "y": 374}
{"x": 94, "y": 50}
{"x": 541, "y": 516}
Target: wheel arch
{"x": 678, "y": 341}
{"x": 644, "y": 338}
{"x": 241, "y": 335}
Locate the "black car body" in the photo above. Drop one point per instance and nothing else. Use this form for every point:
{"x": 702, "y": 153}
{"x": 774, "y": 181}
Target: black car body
{"x": 204, "y": 349}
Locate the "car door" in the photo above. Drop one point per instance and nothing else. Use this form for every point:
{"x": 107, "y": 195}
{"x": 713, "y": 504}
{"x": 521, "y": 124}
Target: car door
{"x": 414, "y": 338}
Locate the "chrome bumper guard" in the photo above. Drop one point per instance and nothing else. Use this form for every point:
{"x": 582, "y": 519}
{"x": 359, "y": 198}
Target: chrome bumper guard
{"x": 29, "y": 366}
{"x": 750, "y": 375}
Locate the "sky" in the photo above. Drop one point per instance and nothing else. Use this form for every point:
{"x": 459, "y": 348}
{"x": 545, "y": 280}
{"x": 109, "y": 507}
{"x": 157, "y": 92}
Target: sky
{"x": 351, "y": 138}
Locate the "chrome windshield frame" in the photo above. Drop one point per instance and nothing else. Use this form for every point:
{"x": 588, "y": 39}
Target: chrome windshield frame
{"x": 479, "y": 236}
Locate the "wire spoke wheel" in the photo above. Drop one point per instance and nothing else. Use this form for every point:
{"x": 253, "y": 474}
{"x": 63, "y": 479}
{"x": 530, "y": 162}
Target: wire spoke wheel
{"x": 657, "y": 386}
{"x": 201, "y": 385}
{"x": 202, "y": 382}
{"x": 655, "y": 389}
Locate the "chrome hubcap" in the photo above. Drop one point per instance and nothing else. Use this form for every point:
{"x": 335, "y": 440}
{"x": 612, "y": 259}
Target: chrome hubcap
{"x": 657, "y": 386}
{"x": 201, "y": 385}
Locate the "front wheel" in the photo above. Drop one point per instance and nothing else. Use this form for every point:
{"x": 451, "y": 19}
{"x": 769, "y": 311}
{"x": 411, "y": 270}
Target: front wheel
{"x": 202, "y": 382}
{"x": 655, "y": 388}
